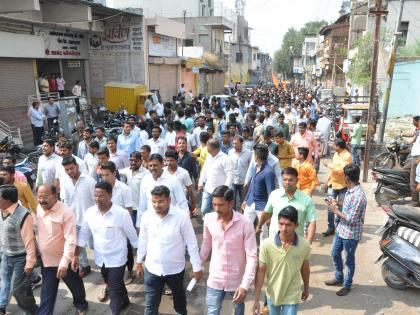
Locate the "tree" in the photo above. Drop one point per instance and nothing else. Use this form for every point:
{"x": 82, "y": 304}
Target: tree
{"x": 292, "y": 46}
{"x": 412, "y": 50}
{"x": 360, "y": 66}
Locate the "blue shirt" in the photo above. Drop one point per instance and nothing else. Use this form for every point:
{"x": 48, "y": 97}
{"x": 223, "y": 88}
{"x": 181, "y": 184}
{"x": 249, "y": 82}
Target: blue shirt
{"x": 128, "y": 144}
{"x": 262, "y": 184}
{"x": 225, "y": 148}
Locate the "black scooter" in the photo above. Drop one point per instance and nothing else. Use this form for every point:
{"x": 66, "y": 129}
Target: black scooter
{"x": 400, "y": 245}
{"x": 392, "y": 184}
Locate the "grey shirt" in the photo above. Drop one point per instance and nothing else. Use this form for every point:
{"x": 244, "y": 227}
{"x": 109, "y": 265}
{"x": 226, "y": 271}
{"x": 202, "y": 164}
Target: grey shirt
{"x": 51, "y": 110}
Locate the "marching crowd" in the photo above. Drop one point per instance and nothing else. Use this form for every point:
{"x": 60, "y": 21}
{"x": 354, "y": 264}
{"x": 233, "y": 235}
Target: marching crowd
{"x": 251, "y": 159}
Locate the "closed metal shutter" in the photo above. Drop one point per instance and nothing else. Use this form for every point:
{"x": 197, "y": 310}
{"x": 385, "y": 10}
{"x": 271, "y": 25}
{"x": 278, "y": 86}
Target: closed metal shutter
{"x": 17, "y": 82}
{"x": 163, "y": 78}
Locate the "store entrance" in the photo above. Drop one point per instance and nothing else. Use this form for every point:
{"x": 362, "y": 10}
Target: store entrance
{"x": 72, "y": 70}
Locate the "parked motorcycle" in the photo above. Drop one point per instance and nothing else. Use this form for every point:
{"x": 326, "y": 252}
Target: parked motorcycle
{"x": 52, "y": 132}
{"x": 28, "y": 169}
{"x": 400, "y": 245}
{"x": 397, "y": 153}
{"x": 392, "y": 184}
{"x": 7, "y": 145}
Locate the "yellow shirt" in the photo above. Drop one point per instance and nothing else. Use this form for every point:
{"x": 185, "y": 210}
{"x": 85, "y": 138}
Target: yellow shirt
{"x": 201, "y": 154}
{"x": 25, "y": 196}
{"x": 339, "y": 161}
{"x": 307, "y": 179}
{"x": 285, "y": 150}
{"x": 283, "y": 268}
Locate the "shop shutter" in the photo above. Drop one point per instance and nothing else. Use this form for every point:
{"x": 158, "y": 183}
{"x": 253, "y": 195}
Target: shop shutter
{"x": 17, "y": 82}
{"x": 167, "y": 82}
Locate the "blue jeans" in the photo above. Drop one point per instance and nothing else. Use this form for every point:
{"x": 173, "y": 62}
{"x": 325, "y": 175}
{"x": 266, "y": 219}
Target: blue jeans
{"x": 349, "y": 247}
{"x": 354, "y": 154}
{"x": 285, "y": 309}
{"x": 83, "y": 259}
{"x": 13, "y": 277}
{"x": 206, "y": 205}
{"x": 114, "y": 279}
{"x": 154, "y": 289}
{"x": 238, "y": 192}
{"x": 335, "y": 193}
{"x": 214, "y": 300}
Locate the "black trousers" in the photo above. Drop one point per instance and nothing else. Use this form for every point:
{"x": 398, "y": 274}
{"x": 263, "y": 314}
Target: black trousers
{"x": 114, "y": 278}
{"x": 37, "y": 134}
{"x": 154, "y": 289}
{"x": 49, "y": 289}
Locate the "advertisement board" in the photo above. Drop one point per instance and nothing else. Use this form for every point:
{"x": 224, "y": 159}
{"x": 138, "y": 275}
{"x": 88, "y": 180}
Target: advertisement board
{"x": 161, "y": 45}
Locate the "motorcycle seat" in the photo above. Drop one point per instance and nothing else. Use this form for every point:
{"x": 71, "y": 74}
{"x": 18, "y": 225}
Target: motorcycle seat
{"x": 407, "y": 213}
{"x": 392, "y": 171}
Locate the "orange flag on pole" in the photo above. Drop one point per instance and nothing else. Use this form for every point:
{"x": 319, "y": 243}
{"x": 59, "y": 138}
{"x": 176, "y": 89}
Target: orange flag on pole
{"x": 276, "y": 80}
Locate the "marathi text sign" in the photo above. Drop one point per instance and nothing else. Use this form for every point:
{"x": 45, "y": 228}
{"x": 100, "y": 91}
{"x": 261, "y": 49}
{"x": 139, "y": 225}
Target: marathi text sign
{"x": 161, "y": 45}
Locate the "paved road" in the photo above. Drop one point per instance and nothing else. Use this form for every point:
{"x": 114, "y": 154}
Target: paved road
{"x": 369, "y": 295}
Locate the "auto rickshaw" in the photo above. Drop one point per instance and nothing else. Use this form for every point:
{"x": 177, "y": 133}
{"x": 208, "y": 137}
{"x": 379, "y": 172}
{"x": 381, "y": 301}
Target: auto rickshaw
{"x": 346, "y": 122}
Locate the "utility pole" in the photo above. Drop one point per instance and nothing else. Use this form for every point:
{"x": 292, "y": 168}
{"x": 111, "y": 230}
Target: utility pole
{"x": 392, "y": 56}
{"x": 184, "y": 13}
{"x": 378, "y": 12}
{"x": 333, "y": 75}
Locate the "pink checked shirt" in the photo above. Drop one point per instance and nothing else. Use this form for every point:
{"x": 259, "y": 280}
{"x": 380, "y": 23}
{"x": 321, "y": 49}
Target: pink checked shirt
{"x": 306, "y": 141}
{"x": 234, "y": 252}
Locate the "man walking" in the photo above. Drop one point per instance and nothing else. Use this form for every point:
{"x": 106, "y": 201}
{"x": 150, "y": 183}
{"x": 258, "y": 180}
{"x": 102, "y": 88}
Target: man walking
{"x": 165, "y": 232}
{"x": 19, "y": 252}
{"x": 284, "y": 259}
{"x": 217, "y": 170}
{"x": 128, "y": 140}
{"x": 78, "y": 191}
{"x": 110, "y": 226}
{"x": 290, "y": 195}
{"x": 83, "y": 148}
{"x": 356, "y": 139}
{"x": 158, "y": 177}
{"x": 240, "y": 158}
{"x": 51, "y": 111}
{"x": 349, "y": 229}
{"x": 336, "y": 179}
{"x": 57, "y": 243}
{"x": 260, "y": 188}
{"x": 230, "y": 237}
{"x": 46, "y": 164}
{"x": 305, "y": 138}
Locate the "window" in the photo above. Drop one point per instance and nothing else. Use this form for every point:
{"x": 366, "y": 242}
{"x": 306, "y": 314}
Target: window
{"x": 238, "y": 57}
{"x": 203, "y": 10}
{"x": 188, "y": 43}
{"x": 402, "y": 39}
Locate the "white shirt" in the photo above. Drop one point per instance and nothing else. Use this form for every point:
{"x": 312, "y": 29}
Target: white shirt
{"x": 178, "y": 198}
{"x": 216, "y": 171}
{"x": 91, "y": 162}
{"x": 120, "y": 159}
{"x": 79, "y": 196}
{"x": 46, "y": 169}
{"x": 61, "y": 174}
{"x": 415, "y": 149}
{"x": 191, "y": 142}
{"x": 182, "y": 175}
{"x": 323, "y": 126}
{"x": 159, "y": 146}
{"x": 134, "y": 182}
{"x": 170, "y": 138}
{"x": 159, "y": 109}
{"x": 110, "y": 232}
{"x": 144, "y": 136}
{"x": 196, "y": 134}
{"x": 121, "y": 195}
{"x": 60, "y": 84}
{"x": 240, "y": 162}
{"x": 77, "y": 90}
{"x": 163, "y": 240}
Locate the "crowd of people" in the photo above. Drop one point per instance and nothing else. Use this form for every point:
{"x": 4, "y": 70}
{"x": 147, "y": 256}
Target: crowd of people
{"x": 252, "y": 160}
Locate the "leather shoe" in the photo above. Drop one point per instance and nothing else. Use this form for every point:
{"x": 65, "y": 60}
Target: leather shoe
{"x": 343, "y": 291}
{"x": 329, "y": 232}
{"x": 333, "y": 282}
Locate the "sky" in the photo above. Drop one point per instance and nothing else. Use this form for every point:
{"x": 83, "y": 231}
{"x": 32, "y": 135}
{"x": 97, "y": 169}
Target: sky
{"x": 270, "y": 19}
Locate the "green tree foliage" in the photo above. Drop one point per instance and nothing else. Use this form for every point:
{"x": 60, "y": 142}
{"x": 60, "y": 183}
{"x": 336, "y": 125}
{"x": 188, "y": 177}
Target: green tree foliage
{"x": 412, "y": 50}
{"x": 360, "y": 67}
{"x": 283, "y": 58}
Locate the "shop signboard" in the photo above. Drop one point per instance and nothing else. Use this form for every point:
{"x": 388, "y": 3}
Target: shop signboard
{"x": 63, "y": 44}
{"x": 161, "y": 45}
{"x": 117, "y": 54}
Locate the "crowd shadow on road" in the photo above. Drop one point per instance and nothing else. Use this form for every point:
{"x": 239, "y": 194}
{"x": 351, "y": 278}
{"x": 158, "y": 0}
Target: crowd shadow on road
{"x": 371, "y": 299}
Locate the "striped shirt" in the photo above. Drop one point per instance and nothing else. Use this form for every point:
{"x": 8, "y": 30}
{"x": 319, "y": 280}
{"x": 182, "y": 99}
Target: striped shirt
{"x": 354, "y": 208}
